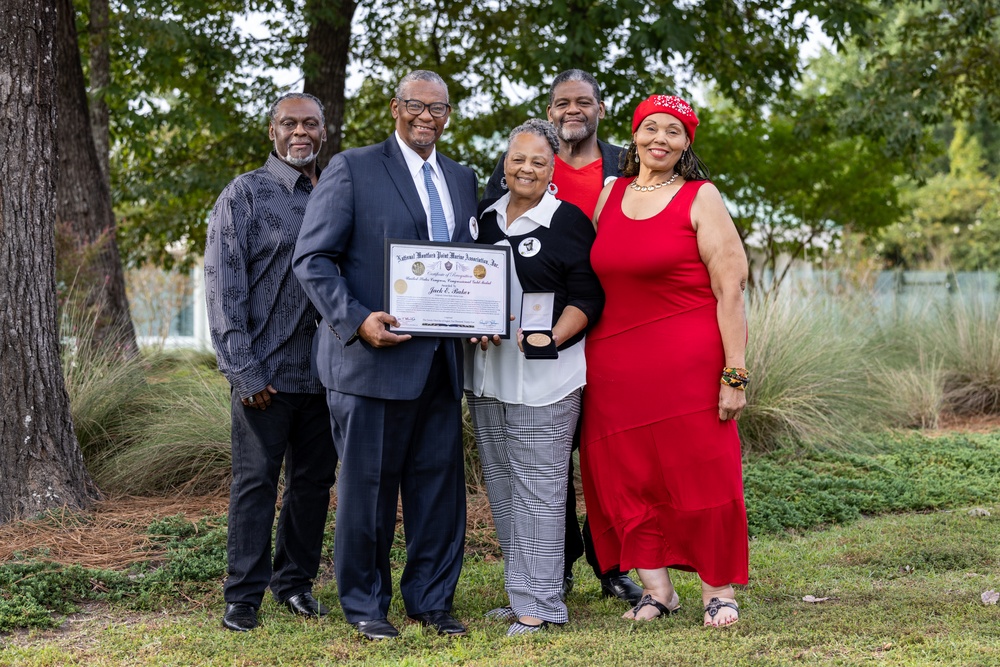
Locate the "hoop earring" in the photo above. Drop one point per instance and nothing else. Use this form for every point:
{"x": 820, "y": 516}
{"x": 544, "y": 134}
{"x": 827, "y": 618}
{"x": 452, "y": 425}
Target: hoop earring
{"x": 553, "y": 189}
{"x": 503, "y": 182}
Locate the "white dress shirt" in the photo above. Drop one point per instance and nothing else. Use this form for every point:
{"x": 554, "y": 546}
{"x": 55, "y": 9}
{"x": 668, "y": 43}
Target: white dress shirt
{"x": 415, "y": 164}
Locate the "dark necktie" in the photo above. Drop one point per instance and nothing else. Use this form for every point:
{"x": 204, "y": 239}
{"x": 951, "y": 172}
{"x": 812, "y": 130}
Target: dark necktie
{"x": 439, "y": 226}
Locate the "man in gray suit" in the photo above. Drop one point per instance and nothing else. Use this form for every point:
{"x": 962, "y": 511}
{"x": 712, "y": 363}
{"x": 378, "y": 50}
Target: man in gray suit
{"x": 394, "y": 399}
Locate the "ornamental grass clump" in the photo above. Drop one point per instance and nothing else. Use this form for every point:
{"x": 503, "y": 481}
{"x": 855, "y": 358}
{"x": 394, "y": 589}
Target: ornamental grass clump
{"x": 810, "y": 385}
{"x": 147, "y": 423}
{"x": 105, "y": 385}
{"x": 183, "y": 445}
{"x": 917, "y": 390}
{"x": 948, "y": 351}
{"x": 967, "y": 336}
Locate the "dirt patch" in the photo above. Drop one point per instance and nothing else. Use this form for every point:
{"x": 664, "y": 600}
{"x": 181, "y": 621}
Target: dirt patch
{"x": 966, "y": 424}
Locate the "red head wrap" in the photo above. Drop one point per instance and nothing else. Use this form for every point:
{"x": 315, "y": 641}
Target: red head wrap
{"x": 670, "y": 104}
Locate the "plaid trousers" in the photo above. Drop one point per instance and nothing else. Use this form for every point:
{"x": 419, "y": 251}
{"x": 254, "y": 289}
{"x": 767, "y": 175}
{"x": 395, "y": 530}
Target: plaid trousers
{"x": 525, "y": 453}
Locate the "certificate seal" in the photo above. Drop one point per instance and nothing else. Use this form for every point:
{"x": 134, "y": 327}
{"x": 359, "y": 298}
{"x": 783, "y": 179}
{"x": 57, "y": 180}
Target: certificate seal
{"x": 538, "y": 340}
{"x": 400, "y": 286}
{"x": 418, "y": 268}
{"x": 479, "y": 271}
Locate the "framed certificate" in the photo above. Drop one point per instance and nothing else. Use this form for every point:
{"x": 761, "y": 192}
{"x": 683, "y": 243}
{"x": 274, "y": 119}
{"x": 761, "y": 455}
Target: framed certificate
{"x": 448, "y": 289}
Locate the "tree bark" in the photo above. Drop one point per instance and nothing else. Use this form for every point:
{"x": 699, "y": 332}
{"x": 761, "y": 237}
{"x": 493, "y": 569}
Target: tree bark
{"x": 100, "y": 80}
{"x": 328, "y": 49}
{"x": 41, "y": 466}
{"x": 83, "y": 200}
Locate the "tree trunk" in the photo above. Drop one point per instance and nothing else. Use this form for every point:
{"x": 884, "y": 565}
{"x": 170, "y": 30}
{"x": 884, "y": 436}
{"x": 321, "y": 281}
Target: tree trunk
{"x": 40, "y": 462}
{"x": 328, "y": 49}
{"x": 100, "y": 80}
{"x": 83, "y": 202}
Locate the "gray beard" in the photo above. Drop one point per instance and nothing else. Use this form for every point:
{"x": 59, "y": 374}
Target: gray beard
{"x": 585, "y": 132}
{"x": 296, "y": 161}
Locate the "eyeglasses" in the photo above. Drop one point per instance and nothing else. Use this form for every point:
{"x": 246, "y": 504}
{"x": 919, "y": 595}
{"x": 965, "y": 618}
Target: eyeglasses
{"x": 416, "y": 107}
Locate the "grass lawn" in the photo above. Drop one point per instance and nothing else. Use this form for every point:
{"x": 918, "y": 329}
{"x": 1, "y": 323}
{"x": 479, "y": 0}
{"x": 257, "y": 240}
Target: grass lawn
{"x": 903, "y": 589}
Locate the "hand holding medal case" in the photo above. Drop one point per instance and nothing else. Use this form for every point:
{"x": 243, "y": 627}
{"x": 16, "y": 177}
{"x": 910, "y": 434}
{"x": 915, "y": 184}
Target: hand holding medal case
{"x": 536, "y": 324}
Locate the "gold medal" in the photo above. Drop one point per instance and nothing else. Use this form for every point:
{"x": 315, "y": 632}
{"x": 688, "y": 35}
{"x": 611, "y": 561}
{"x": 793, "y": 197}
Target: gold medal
{"x": 538, "y": 340}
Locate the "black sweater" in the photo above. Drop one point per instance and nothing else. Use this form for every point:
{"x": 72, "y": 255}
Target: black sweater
{"x": 561, "y": 265}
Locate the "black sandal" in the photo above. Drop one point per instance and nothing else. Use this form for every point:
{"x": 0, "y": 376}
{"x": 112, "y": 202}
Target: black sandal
{"x": 648, "y": 600}
{"x": 715, "y": 604}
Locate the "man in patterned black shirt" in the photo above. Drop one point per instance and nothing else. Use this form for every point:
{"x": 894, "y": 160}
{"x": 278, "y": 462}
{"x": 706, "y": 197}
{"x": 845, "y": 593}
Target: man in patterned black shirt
{"x": 262, "y": 329}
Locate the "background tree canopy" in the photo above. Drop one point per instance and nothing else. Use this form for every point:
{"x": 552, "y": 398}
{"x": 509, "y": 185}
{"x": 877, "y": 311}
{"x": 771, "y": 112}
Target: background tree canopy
{"x": 801, "y": 149}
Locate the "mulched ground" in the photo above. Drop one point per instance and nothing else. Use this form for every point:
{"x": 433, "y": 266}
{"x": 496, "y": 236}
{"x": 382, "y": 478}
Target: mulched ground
{"x": 966, "y": 424}
{"x": 113, "y": 534}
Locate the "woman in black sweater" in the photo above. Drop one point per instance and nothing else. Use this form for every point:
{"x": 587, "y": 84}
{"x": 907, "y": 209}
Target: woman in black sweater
{"x": 524, "y": 410}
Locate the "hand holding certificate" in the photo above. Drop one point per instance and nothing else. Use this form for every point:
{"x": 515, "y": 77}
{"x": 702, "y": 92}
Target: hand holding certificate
{"x": 448, "y": 289}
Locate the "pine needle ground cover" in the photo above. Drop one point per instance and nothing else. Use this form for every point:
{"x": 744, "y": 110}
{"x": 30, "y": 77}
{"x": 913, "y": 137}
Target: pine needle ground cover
{"x": 900, "y": 589}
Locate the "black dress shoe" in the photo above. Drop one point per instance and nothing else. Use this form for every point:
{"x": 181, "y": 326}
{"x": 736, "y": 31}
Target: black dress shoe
{"x": 443, "y": 622}
{"x": 379, "y": 628}
{"x": 622, "y": 587}
{"x": 304, "y": 604}
{"x": 567, "y": 587}
{"x": 240, "y": 617}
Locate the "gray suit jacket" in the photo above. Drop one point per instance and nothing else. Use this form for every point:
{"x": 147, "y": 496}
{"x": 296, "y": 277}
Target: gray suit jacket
{"x": 365, "y": 196}
{"x": 610, "y": 155}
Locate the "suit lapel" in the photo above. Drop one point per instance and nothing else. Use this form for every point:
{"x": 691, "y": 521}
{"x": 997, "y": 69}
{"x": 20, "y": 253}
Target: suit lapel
{"x": 401, "y": 178}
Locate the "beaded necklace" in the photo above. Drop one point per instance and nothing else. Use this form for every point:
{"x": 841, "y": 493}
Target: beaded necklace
{"x": 649, "y": 188}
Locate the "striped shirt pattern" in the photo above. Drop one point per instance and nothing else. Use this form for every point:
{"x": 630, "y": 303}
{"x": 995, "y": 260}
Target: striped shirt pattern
{"x": 261, "y": 321}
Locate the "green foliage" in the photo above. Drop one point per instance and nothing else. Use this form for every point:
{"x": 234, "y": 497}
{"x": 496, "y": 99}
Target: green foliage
{"x": 794, "y": 183}
{"x": 149, "y": 424}
{"x": 183, "y": 442}
{"x": 954, "y": 220}
{"x": 966, "y": 335}
{"x": 36, "y": 592}
{"x": 188, "y": 91}
{"x": 953, "y": 352}
{"x": 908, "y": 473}
{"x": 33, "y": 591}
{"x": 195, "y": 551}
{"x": 923, "y": 62}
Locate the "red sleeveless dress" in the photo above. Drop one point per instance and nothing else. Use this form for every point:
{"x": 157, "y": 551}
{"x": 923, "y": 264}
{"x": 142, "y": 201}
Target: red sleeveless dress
{"x": 662, "y": 475}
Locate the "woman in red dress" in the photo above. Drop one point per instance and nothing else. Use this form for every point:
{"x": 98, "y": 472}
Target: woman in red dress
{"x": 666, "y": 373}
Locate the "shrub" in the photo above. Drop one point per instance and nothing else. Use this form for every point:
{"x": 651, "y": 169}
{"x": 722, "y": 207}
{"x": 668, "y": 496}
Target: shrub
{"x": 910, "y": 473}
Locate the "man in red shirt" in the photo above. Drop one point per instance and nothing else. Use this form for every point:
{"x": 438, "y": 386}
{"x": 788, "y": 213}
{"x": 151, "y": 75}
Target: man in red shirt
{"x": 583, "y": 165}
